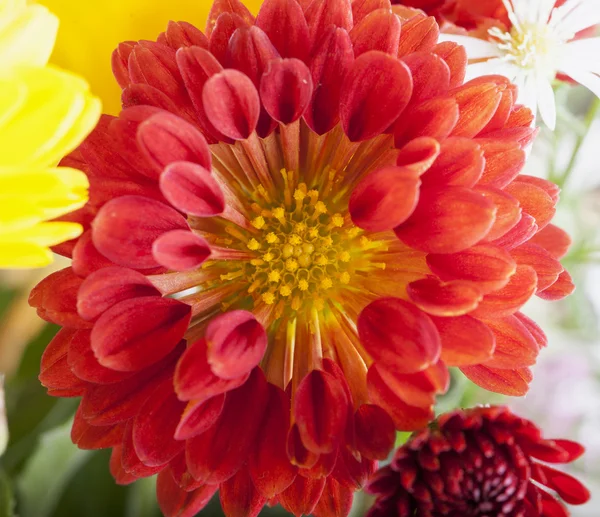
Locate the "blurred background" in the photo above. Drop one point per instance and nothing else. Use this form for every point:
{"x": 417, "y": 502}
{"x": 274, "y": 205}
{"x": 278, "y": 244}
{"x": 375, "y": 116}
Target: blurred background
{"x": 43, "y": 475}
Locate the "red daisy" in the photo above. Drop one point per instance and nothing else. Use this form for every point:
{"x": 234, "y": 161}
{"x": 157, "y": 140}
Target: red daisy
{"x": 295, "y": 225}
{"x": 483, "y": 462}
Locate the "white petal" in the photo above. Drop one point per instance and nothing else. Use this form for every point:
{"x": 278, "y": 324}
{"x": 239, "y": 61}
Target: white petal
{"x": 546, "y": 102}
{"x": 587, "y": 79}
{"x": 476, "y": 48}
{"x": 527, "y": 95}
{"x": 583, "y": 54}
{"x": 544, "y": 9}
{"x": 491, "y": 67}
{"x": 585, "y": 14}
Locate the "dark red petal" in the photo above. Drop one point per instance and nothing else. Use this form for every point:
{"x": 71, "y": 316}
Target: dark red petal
{"x": 109, "y": 286}
{"x": 430, "y": 75}
{"x": 379, "y": 30}
{"x": 448, "y": 220}
{"x": 218, "y": 454}
{"x": 563, "y": 286}
{"x": 571, "y": 490}
{"x": 352, "y": 472}
{"x": 328, "y": 67}
{"x": 55, "y": 372}
{"x": 302, "y": 496}
{"x": 465, "y": 340}
{"x": 239, "y": 497}
{"x": 286, "y": 89}
{"x": 507, "y": 382}
{"x": 375, "y": 432}
{"x": 194, "y": 379}
{"x": 554, "y": 240}
{"x": 460, "y": 162}
{"x": 297, "y": 453}
{"x": 121, "y": 234}
{"x": 236, "y": 343}
{"x": 180, "y": 250}
{"x": 320, "y": 411}
{"x": 91, "y": 437}
{"x": 384, "y": 199}
{"x": 138, "y": 332}
{"x": 165, "y": 138}
{"x": 283, "y": 21}
{"x": 336, "y": 500}
{"x": 231, "y": 103}
{"x": 198, "y": 417}
{"x": 374, "y": 94}
{"x": 400, "y": 337}
{"x": 220, "y": 7}
{"x": 269, "y": 465}
{"x": 176, "y": 502}
{"x": 121, "y": 476}
{"x": 515, "y": 346}
{"x": 155, "y": 424}
{"x": 453, "y": 298}
{"x": 574, "y": 450}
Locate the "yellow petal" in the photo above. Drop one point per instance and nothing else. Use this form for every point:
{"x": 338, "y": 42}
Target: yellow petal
{"x": 17, "y": 214}
{"x": 27, "y": 34}
{"x": 18, "y": 255}
{"x": 56, "y": 115}
{"x": 43, "y": 234}
{"x": 88, "y": 35}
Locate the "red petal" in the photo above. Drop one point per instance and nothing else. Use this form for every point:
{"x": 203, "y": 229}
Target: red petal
{"x": 180, "y": 250}
{"x": 198, "y": 417}
{"x": 286, "y": 89}
{"x": 336, "y": 500}
{"x": 375, "y": 92}
{"x": 176, "y": 502}
{"x": 361, "y": 8}
{"x": 508, "y": 300}
{"x": 507, "y": 382}
{"x": 375, "y": 432}
{"x": 121, "y": 234}
{"x": 183, "y": 34}
{"x": 460, "y": 162}
{"x": 86, "y": 258}
{"x": 534, "y": 201}
{"x": 231, "y": 103}
{"x": 320, "y": 410}
{"x": 546, "y": 267}
{"x": 236, "y": 343}
{"x": 330, "y": 62}
{"x": 218, "y": 454}
{"x": 139, "y": 95}
{"x": 283, "y": 21}
{"x": 301, "y": 497}
{"x": 384, "y": 199}
{"x": 455, "y": 57}
{"x": 487, "y": 266}
{"x": 353, "y": 473}
{"x": 399, "y": 336}
{"x": 155, "y": 424}
{"x": 430, "y": 75}
{"x": 554, "y": 240}
{"x": 321, "y": 14}
{"x": 297, "y": 453}
{"x": 238, "y": 496}
{"x": 567, "y": 487}
{"x": 119, "y": 60}
{"x": 563, "y": 286}
{"x": 439, "y": 298}
{"x": 520, "y": 233}
{"x": 508, "y": 211}
{"x": 503, "y": 162}
{"x": 435, "y": 118}
{"x": 573, "y": 450}
{"x": 121, "y": 476}
{"x": 536, "y": 332}
{"x": 220, "y": 7}
{"x": 515, "y": 346}
{"x": 420, "y": 33}
{"x": 477, "y": 104}
{"x": 379, "y": 30}
{"x": 91, "y": 437}
{"x": 419, "y": 154}
{"x": 448, "y": 221}
{"x": 55, "y": 373}
{"x": 194, "y": 380}
{"x": 139, "y": 332}
{"x": 226, "y": 26}
{"x": 109, "y": 286}
{"x": 269, "y": 465}
{"x": 465, "y": 340}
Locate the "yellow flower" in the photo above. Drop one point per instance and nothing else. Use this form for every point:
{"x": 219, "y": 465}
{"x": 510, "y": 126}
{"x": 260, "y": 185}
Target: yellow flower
{"x": 44, "y": 114}
{"x": 88, "y": 34}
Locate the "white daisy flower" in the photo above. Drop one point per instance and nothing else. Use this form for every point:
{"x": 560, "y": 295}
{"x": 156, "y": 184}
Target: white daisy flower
{"x": 539, "y": 45}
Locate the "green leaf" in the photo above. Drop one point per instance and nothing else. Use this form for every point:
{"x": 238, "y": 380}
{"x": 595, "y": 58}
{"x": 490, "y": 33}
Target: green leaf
{"x": 7, "y": 499}
{"x": 141, "y": 500}
{"x": 48, "y": 471}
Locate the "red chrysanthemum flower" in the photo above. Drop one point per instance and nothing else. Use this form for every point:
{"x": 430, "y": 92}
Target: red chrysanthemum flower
{"x": 484, "y": 462}
{"x": 295, "y": 226}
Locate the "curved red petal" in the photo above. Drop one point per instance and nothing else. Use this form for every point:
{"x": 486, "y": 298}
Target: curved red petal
{"x": 180, "y": 250}
{"x": 453, "y": 298}
{"x": 507, "y": 382}
{"x": 465, "y": 340}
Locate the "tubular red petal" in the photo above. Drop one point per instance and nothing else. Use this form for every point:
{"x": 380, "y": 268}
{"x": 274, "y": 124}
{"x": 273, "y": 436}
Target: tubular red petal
{"x": 236, "y": 343}
{"x": 286, "y": 89}
{"x": 514, "y": 383}
{"x": 136, "y": 333}
{"x": 321, "y": 14}
{"x": 183, "y": 34}
{"x": 283, "y": 21}
{"x": 455, "y": 57}
{"x": 418, "y": 155}
{"x": 379, "y": 30}
{"x": 430, "y": 75}
{"x": 460, "y": 162}
{"x": 477, "y": 104}
{"x": 296, "y": 451}
{"x": 563, "y": 286}
{"x": 109, "y": 286}
{"x": 220, "y": 452}
{"x": 508, "y": 211}
{"x": 220, "y": 7}
{"x": 125, "y": 238}
{"x": 546, "y": 267}
{"x": 375, "y": 432}
{"x": 239, "y": 497}
{"x": 91, "y": 437}
{"x": 155, "y": 424}
{"x": 435, "y": 118}
{"x": 166, "y": 138}
{"x": 374, "y": 94}
{"x": 534, "y": 201}
{"x": 86, "y": 258}
{"x": 554, "y": 240}
{"x": 227, "y": 24}
{"x": 567, "y": 487}
{"x": 384, "y": 199}
{"x": 328, "y": 66}
{"x": 269, "y": 465}
{"x": 515, "y": 346}
{"x": 198, "y": 417}
{"x": 503, "y": 162}
{"x": 399, "y": 336}
{"x": 453, "y": 298}
{"x": 419, "y": 34}
{"x": 176, "y": 502}
{"x": 466, "y": 341}
{"x": 302, "y": 496}
{"x": 231, "y": 103}
{"x": 518, "y": 234}
{"x": 320, "y": 410}
{"x": 362, "y": 8}
{"x": 180, "y": 250}
{"x": 448, "y": 221}
{"x": 119, "y": 62}
{"x": 336, "y": 500}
